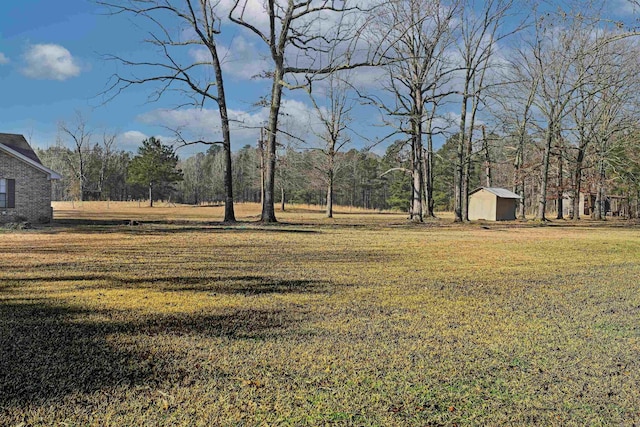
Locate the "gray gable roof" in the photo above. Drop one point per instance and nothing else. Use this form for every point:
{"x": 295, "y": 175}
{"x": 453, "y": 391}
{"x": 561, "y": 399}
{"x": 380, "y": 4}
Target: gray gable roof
{"x": 500, "y": 192}
{"x": 17, "y": 146}
{"x": 19, "y": 143}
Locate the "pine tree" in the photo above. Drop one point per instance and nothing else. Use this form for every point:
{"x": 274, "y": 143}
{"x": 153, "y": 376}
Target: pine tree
{"x": 154, "y": 165}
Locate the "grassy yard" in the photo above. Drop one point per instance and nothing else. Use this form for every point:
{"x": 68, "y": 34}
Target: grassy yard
{"x": 362, "y": 320}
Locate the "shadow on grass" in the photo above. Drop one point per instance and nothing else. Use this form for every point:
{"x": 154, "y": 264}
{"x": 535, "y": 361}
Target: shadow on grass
{"x": 160, "y": 227}
{"x": 48, "y": 352}
{"x": 227, "y": 285}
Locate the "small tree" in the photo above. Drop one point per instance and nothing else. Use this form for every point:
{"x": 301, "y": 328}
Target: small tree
{"x": 155, "y": 164}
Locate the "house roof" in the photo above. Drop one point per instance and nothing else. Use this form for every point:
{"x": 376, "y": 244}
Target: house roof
{"x": 17, "y": 146}
{"x": 19, "y": 143}
{"x": 500, "y": 192}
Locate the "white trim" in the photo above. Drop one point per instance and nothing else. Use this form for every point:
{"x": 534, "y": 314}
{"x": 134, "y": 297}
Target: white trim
{"x": 52, "y": 174}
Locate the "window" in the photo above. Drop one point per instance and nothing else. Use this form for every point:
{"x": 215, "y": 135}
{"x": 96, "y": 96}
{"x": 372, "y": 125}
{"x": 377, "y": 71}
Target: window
{"x": 3, "y": 193}
{"x": 7, "y": 193}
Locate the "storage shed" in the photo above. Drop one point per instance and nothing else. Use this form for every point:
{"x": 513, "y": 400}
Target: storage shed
{"x": 492, "y": 204}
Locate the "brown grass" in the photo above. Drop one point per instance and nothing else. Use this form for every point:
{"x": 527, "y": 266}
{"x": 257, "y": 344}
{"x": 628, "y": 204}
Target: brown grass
{"x": 316, "y": 322}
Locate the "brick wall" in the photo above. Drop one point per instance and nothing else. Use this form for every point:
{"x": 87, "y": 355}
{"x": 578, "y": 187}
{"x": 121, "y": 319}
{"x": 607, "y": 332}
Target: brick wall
{"x": 33, "y": 191}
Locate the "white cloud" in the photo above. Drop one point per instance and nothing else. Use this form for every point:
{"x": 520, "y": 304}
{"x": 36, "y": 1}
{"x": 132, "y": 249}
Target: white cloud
{"x": 205, "y": 123}
{"x": 50, "y": 62}
{"x": 296, "y": 118}
{"x": 200, "y": 54}
{"x": 131, "y": 139}
{"x": 251, "y": 11}
{"x": 3, "y": 59}
{"x": 242, "y": 60}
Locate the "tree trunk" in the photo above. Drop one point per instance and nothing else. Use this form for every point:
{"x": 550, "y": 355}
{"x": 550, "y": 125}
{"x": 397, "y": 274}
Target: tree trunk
{"x": 416, "y": 146}
{"x": 429, "y": 177}
{"x": 229, "y": 214}
{"x": 416, "y": 193}
{"x": 468, "y": 154}
{"x": 81, "y": 160}
{"x": 599, "y": 209}
{"x": 330, "y": 189}
{"x": 518, "y": 176}
{"x": 150, "y": 195}
{"x": 577, "y": 187}
{"x": 282, "y": 194}
{"x": 559, "y": 185}
{"x": 487, "y": 157}
{"x": 544, "y": 178}
{"x": 459, "y": 174}
{"x": 268, "y": 210}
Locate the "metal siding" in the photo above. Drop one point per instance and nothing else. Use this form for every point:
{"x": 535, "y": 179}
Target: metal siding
{"x": 482, "y": 205}
{"x": 506, "y": 209}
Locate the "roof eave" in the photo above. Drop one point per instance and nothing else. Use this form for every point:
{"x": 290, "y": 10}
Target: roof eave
{"x": 52, "y": 175}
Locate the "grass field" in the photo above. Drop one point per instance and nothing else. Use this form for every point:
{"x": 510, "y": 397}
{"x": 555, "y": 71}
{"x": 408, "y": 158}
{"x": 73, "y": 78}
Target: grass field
{"x": 362, "y": 320}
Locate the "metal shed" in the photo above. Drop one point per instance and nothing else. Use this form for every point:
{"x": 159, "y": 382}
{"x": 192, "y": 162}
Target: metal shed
{"x": 492, "y": 204}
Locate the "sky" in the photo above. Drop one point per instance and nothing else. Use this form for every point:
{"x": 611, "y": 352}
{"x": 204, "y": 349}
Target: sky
{"x": 54, "y": 67}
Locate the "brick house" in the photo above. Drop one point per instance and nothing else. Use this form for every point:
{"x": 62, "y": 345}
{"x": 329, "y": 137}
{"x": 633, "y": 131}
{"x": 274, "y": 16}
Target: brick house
{"x": 25, "y": 183}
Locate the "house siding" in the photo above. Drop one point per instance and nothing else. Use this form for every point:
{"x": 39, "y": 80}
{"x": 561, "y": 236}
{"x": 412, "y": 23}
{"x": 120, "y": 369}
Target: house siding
{"x": 32, "y": 192}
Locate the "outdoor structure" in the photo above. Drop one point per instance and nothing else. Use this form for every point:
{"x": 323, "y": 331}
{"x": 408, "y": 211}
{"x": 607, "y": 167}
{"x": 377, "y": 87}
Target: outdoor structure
{"x": 25, "y": 184}
{"x": 492, "y": 204}
{"x": 613, "y": 205}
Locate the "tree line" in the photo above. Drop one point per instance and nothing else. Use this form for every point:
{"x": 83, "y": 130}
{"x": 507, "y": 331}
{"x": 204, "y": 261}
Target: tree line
{"x": 547, "y": 101}
{"x": 361, "y": 178}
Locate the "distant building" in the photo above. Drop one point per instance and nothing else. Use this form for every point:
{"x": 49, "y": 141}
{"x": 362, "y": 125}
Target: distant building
{"x": 25, "y": 184}
{"x": 492, "y": 204}
{"x": 613, "y": 205}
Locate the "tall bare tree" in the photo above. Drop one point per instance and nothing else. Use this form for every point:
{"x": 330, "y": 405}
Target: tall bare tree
{"x": 106, "y": 153}
{"x": 335, "y": 117}
{"x": 416, "y": 74}
{"x": 480, "y": 31}
{"x": 304, "y": 39}
{"x": 565, "y": 56}
{"x": 169, "y": 69}
{"x": 79, "y": 135}
{"x": 513, "y": 107}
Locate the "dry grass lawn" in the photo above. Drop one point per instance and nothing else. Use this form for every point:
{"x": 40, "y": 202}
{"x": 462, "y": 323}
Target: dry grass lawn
{"x": 362, "y": 320}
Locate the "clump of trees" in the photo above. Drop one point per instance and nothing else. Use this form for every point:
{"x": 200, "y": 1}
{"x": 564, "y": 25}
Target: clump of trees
{"x": 542, "y": 101}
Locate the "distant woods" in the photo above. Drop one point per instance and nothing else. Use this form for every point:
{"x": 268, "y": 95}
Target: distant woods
{"x": 361, "y": 179}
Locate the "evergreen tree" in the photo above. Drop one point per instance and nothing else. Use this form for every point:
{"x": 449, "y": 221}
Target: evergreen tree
{"x": 154, "y": 166}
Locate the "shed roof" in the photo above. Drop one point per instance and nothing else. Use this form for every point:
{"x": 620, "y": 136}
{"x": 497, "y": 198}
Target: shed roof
{"x": 500, "y": 192}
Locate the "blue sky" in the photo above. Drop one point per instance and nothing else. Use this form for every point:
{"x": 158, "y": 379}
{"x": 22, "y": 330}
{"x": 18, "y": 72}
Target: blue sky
{"x": 52, "y": 67}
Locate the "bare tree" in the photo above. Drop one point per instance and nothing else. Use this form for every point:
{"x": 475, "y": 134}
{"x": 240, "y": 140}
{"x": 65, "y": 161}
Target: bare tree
{"x": 616, "y": 113}
{"x": 168, "y": 70}
{"x": 335, "y": 117}
{"x": 107, "y": 146}
{"x": 564, "y": 59}
{"x": 416, "y": 74}
{"x": 80, "y": 137}
{"x": 479, "y": 33}
{"x": 305, "y": 39}
{"x": 514, "y": 104}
